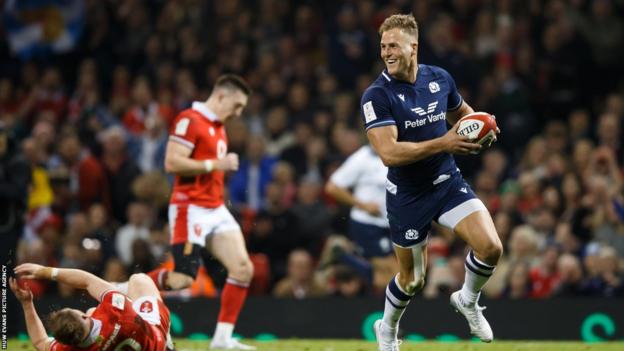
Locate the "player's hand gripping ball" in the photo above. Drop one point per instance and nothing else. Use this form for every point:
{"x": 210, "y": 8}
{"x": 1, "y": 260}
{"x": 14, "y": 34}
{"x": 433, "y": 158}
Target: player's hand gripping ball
{"x": 480, "y": 127}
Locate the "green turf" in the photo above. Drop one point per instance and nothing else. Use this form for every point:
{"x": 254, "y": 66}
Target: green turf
{"x": 356, "y": 345}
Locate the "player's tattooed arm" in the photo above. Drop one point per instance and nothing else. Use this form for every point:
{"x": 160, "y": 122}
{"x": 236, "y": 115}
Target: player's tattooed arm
{"x": 76, "y": 278}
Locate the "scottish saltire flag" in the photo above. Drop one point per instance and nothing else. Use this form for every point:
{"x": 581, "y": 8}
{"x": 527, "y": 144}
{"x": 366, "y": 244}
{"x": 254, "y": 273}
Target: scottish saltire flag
{"x": 42, "y": 27}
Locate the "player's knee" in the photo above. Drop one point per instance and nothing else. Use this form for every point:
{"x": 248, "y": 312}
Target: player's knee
{"x": 411, "y": 283}
{"x": 140, "y": 278}
{"x": 415, "y": 286}
{"x": 140, "y": 284}
{"x": 418, "y": 283}
{"x": 177, "y": 280}
{"x": 492, "y": 252}
{"x": 242, "y": 271}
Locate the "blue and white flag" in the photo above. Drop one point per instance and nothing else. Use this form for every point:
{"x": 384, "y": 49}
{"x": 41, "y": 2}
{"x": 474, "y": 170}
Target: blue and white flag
{"x": 41, "y": 27}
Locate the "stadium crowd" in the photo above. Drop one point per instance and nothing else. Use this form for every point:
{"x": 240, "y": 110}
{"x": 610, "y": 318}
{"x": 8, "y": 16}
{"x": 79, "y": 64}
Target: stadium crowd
{"x": 93, "y": 124}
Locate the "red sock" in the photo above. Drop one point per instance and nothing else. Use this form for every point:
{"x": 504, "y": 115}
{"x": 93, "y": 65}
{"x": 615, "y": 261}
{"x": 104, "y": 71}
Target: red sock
{"x": 159, "y": 277}
{"x": 232, "y": 300}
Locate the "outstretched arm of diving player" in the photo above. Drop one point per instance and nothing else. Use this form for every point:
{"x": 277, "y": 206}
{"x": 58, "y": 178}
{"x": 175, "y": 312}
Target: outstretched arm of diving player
{"x": 76, "y": 278}
{"x": 34, "y": 326}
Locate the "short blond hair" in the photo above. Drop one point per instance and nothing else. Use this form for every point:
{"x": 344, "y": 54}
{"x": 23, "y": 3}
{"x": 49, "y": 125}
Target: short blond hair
{"x": 406, "y": 23}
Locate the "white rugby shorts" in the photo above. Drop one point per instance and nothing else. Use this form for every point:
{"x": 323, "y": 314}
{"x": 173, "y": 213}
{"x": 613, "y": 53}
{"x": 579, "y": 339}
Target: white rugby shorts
{"x": 196, "y": 223}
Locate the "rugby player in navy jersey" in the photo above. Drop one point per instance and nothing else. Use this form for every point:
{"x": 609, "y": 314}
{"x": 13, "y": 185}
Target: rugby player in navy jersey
{"x": 406, "y": 111}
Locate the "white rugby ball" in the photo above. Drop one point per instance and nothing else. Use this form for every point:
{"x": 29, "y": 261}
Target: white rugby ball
{"x": 480, "y": 127}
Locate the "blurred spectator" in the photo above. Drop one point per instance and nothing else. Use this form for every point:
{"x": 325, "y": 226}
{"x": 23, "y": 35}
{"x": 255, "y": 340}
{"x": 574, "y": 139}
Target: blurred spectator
{"x": 100, "y": 231}
{"x": 33, "y": 252}
{"x": 247, "y": 185}
{"x": 608, "y": 133}
{"x": 144, "y": 109}
{"x": 545, "y": 276}
{"x": 115, "y": 271}
{"x": 159, "y": 241}
{"x": 15, "y": 176}
{"x": 315, "y": 160}
{"x": 300, "y": 281}
{"x": 274, "y": 232}
{"x": 47, "y": 98}
{"x": 152, "y": 188}
{"x": 142, "y": 259}
{"x": 78, "y": 176}
{"x": 359, "y": 183}
{"x": 296, "y": 154}
{"x": 446, "y": 277}
{"x": 279, "y": 137}
{"x": 348, "y": 283}
{"x": 518, "y": 282}
{"x": 147, "y": 150}
{"x": 522, "y": 249}
{"x": 605, "y": 279}
{"x": 40, "y": 194}
{"x": 120, "y": 171}
{"x": 570, "y": 276}
{"x": 349, "y": 49}
{"x": 284, "y": 177}
{"x": 603, "y": 31}
{"x": 313, "y": 217}
{"x": 136, "y": 228}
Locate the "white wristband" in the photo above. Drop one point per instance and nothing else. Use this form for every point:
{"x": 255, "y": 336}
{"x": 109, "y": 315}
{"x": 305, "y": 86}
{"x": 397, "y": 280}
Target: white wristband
{"x": 209, "y": 165}
{"x": 54, "y": 273}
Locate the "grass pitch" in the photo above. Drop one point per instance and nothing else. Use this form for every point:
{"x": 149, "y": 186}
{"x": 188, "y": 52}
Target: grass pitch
{"x": 357, "y": 345}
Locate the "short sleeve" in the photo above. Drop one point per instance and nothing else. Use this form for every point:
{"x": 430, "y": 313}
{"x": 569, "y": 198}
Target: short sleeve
{"x": 348, "y": 173}
{"x": 57, "y": 346}
{"x": 454, "y": 98}
{"x": 105, "y": 294}
{"x": 376, "y": 108}
{"x": 113, "y": 300}
{"x": 54, "y": 345}
{"x": 184, "y": 131}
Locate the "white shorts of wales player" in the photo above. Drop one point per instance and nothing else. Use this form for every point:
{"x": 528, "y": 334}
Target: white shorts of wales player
{"x": 197, "y": 223}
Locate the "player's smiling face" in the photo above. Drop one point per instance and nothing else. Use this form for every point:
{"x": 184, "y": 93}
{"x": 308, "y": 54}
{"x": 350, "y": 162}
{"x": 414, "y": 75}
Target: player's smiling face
{"x": 398, "y": 51}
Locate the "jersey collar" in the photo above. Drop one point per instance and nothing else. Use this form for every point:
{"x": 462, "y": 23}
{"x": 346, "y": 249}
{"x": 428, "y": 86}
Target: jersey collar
{"x": 391, "y": 79}
{"x": 204, "y": 110}
{"x": 93, "y": 333}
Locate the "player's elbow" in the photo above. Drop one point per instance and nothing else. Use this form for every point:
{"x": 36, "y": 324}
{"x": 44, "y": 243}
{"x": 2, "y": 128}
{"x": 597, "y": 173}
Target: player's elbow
{"x": 140, "y": 278}
{"x": 388, "y": 160}
{"x": 387, "y": 155}
{"x": 331, "y": 188}
{"x": 170, "y": 164}
{"x": 40, "y": 344}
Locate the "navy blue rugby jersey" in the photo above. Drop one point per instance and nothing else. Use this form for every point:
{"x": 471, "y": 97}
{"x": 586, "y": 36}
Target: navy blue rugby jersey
{"x": 419, "y": 112}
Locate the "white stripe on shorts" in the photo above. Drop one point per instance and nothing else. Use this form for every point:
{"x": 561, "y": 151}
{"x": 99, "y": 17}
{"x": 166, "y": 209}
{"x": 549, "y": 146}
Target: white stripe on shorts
{"x": 455, "y": 215}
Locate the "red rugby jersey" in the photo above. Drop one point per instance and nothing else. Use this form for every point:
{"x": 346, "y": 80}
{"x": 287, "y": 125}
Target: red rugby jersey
{"x": 199, "y": 129}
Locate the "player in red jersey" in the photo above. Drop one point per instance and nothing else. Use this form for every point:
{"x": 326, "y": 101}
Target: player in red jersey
{"x": 136, "y": 321}
{"x": 197, "y": 156}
